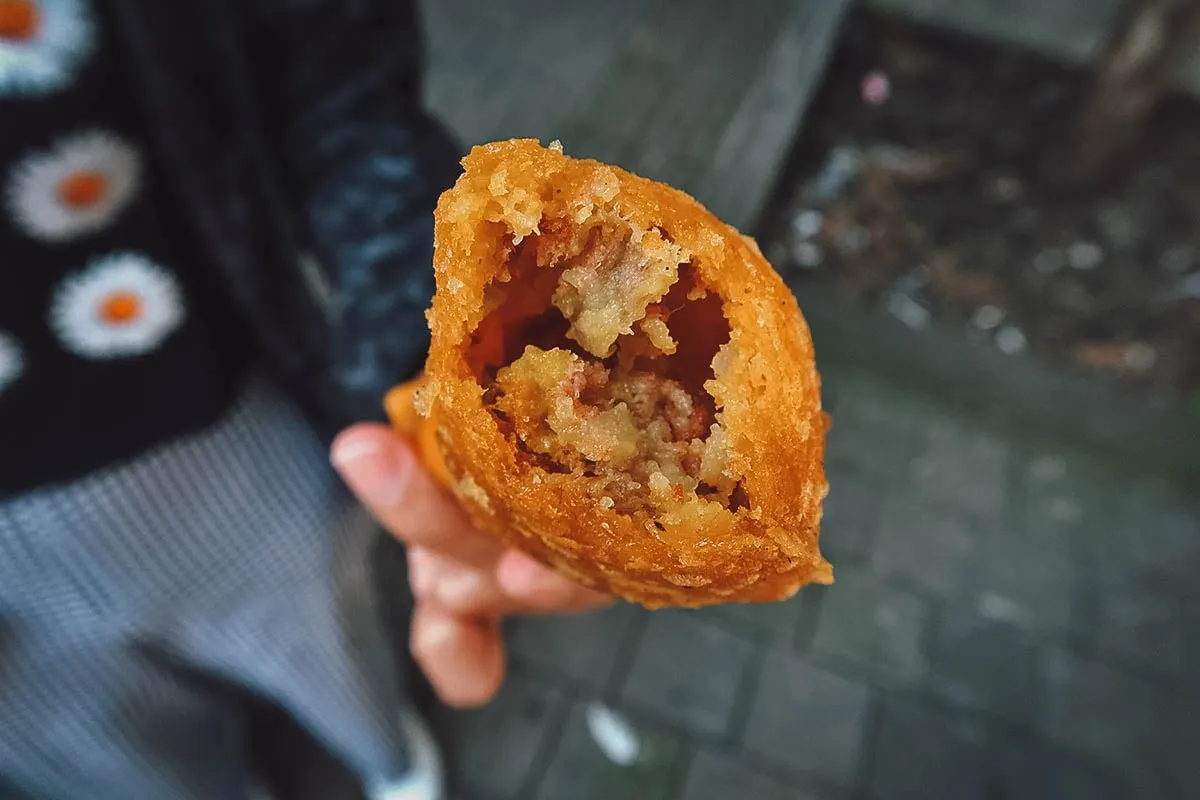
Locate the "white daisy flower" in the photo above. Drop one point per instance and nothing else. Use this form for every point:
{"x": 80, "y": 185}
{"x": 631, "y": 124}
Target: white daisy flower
{"x": 75, "y": 188}
{"x": 43, "y": 44}
{"x": 12, "y": 363}
{"x": 120, "y": 305}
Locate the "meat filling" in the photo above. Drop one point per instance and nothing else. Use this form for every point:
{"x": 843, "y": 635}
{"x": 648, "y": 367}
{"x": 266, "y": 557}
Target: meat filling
{"x": 617, "y": 340}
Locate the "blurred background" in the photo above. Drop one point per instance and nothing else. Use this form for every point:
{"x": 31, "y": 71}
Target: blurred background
{"x": 989, "y": 213}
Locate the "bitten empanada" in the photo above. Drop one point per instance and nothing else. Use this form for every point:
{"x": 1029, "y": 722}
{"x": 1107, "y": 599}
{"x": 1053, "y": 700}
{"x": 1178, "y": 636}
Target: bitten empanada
{"x": 619, "y": 384}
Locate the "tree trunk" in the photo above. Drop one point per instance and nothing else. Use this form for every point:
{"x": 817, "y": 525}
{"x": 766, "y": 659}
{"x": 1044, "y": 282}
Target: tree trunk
{"x": 1141, "y": 59}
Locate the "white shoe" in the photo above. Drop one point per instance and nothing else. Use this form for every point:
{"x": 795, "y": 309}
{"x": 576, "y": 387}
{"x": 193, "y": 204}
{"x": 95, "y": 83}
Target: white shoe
{"x": 427, "y": 778}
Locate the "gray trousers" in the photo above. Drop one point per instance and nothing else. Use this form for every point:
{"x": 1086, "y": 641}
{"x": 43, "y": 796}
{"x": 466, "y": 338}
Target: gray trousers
{"x": 142, "y": 606}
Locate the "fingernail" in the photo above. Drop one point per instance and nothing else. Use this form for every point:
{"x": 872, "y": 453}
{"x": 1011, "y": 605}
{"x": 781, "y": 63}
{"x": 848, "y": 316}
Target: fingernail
{"x": 420, "y": 571}
{"x": 460, "y": 588}
{"x": 377, "y": 473}
{"x": 346, "y": 453}
{"x": 435, "y": 634}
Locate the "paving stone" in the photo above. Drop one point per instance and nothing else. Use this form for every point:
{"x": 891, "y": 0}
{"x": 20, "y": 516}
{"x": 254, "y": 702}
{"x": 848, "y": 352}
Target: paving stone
{"x": 1029, "y": 576}
{"x": 581, "y": 771}
{"x": 1047, "y": 476}
{"x": 1131, "y": 723}
{"x": 808, "y": 719}
{"x": 583, "y": 647}
{"x": 873, "y": 626}
{"x": 962, "y": 467}
{"x": 1180, "y": 758}
{"x": 715, "y": 775}
{"x": 985, "y": 665}
{"x": 771, "y": 622}
{"x": 688, "y": 671}
{"x": 1174, "y": 538}
{"x": 1028, "y": 768}
{"x": 872, "y": 432}
{"x": 921, "y": 752}
{"x": 850, "y": 517}
{"x": 934, "y": 547}
{"x": 1139, "y": 616}
{"x": 492, "y": 749}
{"x": 1148, "y": 522}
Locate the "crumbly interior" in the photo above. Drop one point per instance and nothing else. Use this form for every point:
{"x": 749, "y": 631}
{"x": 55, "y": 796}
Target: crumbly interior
{"x": 594, "y": 360}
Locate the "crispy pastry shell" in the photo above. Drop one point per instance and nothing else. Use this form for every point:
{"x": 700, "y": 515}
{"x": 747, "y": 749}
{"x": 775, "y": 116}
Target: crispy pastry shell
{"x": 674, "y": 546}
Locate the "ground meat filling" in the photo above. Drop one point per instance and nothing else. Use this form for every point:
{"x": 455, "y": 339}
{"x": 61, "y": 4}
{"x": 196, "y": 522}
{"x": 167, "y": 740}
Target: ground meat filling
{"x": 608, "y": 379}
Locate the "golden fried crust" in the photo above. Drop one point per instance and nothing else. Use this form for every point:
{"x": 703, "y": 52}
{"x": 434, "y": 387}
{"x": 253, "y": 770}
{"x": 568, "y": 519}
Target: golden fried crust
{"x": 767, "y": 394}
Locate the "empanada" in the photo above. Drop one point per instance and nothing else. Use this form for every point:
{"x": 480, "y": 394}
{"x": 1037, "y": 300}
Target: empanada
{"x": 619, "y": 384}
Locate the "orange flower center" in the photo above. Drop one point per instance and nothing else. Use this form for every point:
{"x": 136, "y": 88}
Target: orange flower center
{"x": 82, "y": 188}
{"x": 19, "y": 20}
{"x": 120, "y": 308}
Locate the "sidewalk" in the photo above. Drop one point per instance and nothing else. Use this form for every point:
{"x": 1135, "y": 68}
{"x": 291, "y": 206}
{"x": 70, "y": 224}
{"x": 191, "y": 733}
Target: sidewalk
{"x": 1011, "y": 616}
{"x": 1011, "y": 619}
{"x": 690, "y": 92}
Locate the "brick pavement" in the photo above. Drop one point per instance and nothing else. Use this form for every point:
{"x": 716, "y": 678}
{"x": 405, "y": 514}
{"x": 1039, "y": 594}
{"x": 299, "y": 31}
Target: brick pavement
{"x": 1012, "y": 614}
{"x": 1013, "y": 618}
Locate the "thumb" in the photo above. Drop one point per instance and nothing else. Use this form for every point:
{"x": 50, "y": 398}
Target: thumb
{"x": 387, "y": 477}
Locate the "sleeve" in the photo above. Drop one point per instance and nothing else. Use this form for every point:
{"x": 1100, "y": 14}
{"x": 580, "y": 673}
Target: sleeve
{"x": 341, "y": 88}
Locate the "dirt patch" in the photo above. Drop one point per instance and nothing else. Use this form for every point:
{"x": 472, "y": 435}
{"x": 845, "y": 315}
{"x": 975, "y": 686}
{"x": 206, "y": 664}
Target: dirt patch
{"x": 922, "y": 187}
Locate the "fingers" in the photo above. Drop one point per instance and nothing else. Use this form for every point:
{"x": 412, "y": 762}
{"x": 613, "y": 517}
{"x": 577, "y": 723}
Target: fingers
{"x": 457, "y": 588}
{"x": 538, "y": 588}
{"x": 517, "y": 584}
{"x": 384, "y": 474}
{"x": 464, "y": 581}
{"x": 463, "y": 658}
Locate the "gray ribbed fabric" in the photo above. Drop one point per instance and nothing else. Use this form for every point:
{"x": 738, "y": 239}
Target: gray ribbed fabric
{"x": 139, "y": 605}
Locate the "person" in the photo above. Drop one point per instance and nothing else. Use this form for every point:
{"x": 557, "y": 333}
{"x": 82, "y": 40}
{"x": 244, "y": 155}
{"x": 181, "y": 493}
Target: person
{"x": 215, "y": 221}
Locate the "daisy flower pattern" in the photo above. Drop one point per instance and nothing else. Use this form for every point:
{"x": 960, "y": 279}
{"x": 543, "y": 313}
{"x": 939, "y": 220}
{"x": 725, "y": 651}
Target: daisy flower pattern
{"x": 77, "y": 187}
{"x": 43, "y": 44}
{"x": 119, "y": 306}
{"x": 12, "y": 363}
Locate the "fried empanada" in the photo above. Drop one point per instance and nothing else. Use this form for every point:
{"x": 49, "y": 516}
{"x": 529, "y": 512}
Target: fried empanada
{"x": 619, "y": 384}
